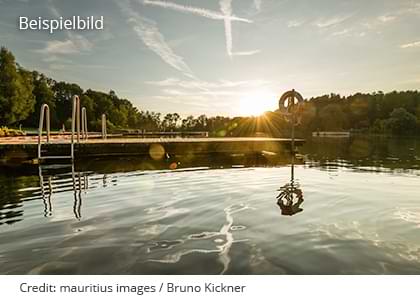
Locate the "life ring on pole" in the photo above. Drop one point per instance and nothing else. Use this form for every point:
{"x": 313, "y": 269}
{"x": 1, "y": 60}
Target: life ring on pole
{"x": 288, "y": 100}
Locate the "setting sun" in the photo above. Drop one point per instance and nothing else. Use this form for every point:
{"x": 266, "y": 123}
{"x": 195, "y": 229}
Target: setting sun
{"x": 257, "y": 102}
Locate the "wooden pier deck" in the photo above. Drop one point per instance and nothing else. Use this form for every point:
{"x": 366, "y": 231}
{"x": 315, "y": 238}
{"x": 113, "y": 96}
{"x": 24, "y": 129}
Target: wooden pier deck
{"x": 33, "y": 140}
{"x": 26, "y": 147}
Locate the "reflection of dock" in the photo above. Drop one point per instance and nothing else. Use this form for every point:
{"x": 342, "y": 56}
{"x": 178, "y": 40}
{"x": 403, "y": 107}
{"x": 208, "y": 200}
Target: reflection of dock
{"x": 27, "y": 147}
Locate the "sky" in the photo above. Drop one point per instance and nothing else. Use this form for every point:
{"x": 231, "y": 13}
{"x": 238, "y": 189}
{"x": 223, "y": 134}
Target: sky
{"x": 223, "y": 57}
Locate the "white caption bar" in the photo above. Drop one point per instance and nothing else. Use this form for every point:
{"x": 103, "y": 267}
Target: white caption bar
{"x": 211, "y": 287}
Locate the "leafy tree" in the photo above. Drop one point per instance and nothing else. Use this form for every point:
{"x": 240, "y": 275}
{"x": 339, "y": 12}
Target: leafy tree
{"x": 188, "y": 123}
{"x": 401, "y": 122}
{"x": 63, "y": 94}
{"x": 43, "y": 94}
{"x": 16, "y": 98}
{"x": 332, "y": 117}
{"x": 170, "y": 121}
{"x": 89, "y": 104}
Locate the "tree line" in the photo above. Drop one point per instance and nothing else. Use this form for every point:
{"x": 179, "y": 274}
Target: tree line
{"x": 22, "y": 92}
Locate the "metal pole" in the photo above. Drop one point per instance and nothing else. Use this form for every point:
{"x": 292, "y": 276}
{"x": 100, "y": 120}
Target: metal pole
{"x": 41, "y": 121}
{"x": 78, "y": 118}
{"x": 73, "y": 123}
{"x": 84, "y": 124}
{"x": 293, "y": 122}
{"x": 293, "y": 136}
{"x": 44, "y": 108}
{"x": 290, "y": 97}
{"x": 47, "y": 108}
{"x": 104, "y": 133}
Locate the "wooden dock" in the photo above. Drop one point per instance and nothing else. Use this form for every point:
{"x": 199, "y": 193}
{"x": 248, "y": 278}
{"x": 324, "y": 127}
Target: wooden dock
{"x": 332, "y": 134}
{"x": 26, "y": 147}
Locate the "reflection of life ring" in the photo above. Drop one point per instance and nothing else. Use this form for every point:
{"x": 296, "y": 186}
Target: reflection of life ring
{"x": 290, "y": 199}
{"x": 289, "y": 96}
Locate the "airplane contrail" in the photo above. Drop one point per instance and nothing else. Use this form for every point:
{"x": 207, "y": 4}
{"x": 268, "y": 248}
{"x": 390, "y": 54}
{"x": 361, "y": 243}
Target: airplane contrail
{"x": 195, "y": 10}
{"x": 246, "y": 53}
{"x": 224, "y": 15}
{"x": 226, "y": 8}
{"x": 258, "y": 4}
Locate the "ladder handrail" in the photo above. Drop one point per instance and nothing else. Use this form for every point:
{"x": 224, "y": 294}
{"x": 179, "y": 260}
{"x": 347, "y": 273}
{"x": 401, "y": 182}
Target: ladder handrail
{"x": 44, "y": 108}
{"x": 75, "y": 125}
{"x": 75, "y": 114}
{"x": 84, "y": 124}
{"x": 104, "y": 132}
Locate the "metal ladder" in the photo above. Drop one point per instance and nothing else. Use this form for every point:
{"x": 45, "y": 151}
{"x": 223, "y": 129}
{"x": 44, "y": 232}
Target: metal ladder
{"x": 75, "y": 125}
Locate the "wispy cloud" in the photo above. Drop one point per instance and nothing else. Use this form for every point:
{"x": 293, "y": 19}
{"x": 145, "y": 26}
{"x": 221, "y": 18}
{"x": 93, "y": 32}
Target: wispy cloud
{"x": 150, "y": 35}
{"x": 411, "y": 45}
{"x": 295, "y": 23}
{"x": 64, "y": 65}
{"x": 221, "y": 84}
{"x": 66, "y": 47}
{"x": 75, "y": 43}
{"x": 195, "y": 10}
{"x": 413, "y": 7}
{"x": 387, "y": 18}
{"x": 54, "y": 58}
{"x": 216, "y": 84}
{"x": 342, "y": 32}
{"x": 219, "y": 93}
{"x": 324, "y": 23}
{"x": 405, "y": 10}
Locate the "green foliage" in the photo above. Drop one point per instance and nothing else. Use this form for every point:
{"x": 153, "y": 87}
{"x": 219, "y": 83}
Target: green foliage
{"x": 43, "y": 94}
{"x": 170, "y": 122}
{"x": 332, "y": 118}
{"x": 16, "y": 98}
{"x": 63, "y": 94}
{"x": 401, "y": 122}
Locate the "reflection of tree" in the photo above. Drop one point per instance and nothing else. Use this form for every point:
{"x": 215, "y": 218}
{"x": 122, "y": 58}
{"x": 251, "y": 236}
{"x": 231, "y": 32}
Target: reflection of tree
{"x": 11, "y": 203}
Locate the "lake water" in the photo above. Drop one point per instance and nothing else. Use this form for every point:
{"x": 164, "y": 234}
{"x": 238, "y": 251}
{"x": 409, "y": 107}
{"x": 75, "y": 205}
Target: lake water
{"x": 353, "y": 208}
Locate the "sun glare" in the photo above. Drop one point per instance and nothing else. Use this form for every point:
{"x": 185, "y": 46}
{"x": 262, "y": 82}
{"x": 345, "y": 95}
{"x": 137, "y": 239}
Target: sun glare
{"x": 258, "y": 102}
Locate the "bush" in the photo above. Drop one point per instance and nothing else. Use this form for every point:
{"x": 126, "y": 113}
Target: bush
{"x": 7, "y": 132}
{"x": 401, "y": 122}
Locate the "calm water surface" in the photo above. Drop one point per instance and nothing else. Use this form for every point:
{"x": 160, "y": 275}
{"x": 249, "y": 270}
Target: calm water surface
{"x": 354, "y": 208}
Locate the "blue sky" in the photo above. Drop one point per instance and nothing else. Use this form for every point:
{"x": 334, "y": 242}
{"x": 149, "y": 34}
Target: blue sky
{"x": 228, "y": 57}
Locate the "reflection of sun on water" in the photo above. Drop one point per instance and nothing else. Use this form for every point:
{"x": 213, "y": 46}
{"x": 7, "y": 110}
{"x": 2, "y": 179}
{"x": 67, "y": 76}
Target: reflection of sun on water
{"x": 257, "y": 102}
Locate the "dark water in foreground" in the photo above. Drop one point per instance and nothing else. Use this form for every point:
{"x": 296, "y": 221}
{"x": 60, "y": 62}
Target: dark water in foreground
{"x": 355, "y": 210}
